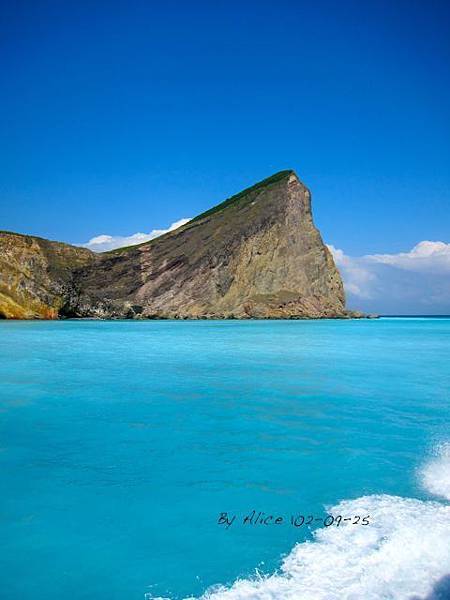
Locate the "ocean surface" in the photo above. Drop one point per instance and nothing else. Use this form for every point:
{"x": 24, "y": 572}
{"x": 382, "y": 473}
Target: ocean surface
{"x": 121, "y": 443}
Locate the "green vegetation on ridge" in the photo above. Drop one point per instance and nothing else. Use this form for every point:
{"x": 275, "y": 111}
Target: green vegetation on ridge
{"x": 236, "y": 199}
{"x": 241, "y": 195}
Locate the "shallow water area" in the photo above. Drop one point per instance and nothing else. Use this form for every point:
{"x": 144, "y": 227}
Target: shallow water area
{"x": 121, "y": 443}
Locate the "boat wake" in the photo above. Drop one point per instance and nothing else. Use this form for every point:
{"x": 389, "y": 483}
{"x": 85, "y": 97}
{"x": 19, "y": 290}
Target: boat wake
{"x": 403, "y": 555}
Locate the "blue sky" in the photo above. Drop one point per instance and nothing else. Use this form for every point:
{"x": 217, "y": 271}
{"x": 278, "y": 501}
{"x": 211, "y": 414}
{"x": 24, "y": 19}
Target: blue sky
{"x": 120, "y": 118}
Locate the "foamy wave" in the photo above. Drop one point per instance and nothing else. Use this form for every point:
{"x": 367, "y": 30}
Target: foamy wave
{"x": 403, "y": 554}
{"x": 436, "y": 474}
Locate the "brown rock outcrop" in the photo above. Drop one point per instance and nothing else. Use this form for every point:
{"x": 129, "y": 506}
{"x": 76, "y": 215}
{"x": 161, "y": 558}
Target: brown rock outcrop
{"x": 256, "y": 255}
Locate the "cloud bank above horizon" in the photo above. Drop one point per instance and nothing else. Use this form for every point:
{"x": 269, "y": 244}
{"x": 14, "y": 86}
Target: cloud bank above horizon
{"x": 412, "y": 282}
{"x": 105, "y": 242}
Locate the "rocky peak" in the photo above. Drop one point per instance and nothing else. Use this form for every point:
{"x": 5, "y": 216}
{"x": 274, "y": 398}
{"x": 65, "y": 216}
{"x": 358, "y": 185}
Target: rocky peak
{"x": 258, "y": 254}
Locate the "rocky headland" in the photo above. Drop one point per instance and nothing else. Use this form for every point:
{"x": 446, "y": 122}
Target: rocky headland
{"x": 256, "y": 255}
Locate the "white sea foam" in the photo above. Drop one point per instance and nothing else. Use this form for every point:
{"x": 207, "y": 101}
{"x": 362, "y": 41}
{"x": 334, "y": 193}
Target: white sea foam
{"x": 436, "y": 474}
{"x": 404, "y": 554}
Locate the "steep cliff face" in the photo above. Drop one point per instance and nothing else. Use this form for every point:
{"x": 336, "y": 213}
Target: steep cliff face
{"x": 257, "y": 255}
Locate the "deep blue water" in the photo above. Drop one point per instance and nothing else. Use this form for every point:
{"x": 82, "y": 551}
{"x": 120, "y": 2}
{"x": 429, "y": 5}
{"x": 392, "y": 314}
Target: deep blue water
{"x": 121, "y": 442}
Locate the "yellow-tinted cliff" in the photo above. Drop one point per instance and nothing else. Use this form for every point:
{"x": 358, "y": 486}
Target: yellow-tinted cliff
{"x": 35, "y": 274}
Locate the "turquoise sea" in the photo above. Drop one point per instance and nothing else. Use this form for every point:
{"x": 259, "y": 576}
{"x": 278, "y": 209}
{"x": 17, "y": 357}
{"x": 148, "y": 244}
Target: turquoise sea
{"x": 122, "y": 442}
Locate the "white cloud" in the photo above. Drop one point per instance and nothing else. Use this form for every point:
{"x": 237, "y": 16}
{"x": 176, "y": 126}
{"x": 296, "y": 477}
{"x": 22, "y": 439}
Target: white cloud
{"x": 411, "y": 282}
{"x": 357, "y": 277}
{"x": 104, "y": 242}
{"x": 433, "y": 257}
